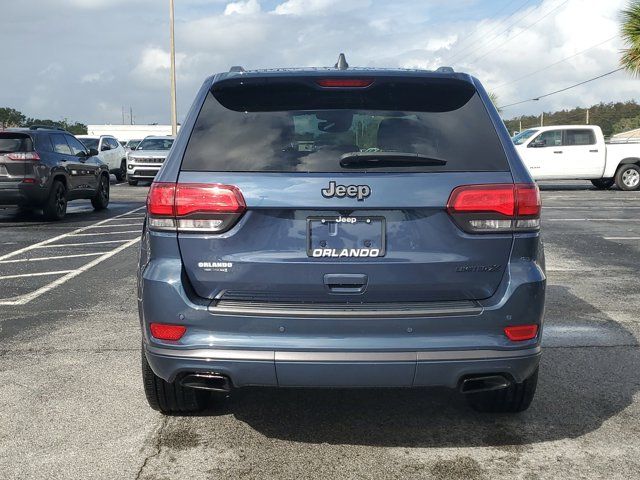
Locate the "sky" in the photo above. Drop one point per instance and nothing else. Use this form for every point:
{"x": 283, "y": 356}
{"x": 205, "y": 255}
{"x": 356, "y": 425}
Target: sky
{"x": 85, "y": 60}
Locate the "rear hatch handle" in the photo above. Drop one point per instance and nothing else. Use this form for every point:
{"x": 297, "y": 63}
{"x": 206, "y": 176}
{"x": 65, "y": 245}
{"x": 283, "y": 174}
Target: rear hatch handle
{"x": 346, "y": 283}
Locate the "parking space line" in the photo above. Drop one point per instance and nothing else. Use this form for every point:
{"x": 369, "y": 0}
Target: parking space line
{"x": 119, "y": 225}
{"x": 60, "y": 245}
{"x": 64, "y": 235}
{"x": 57, "y": 257}
{"x": 592, "y": 219}
{"x": 105, "y": 233}
{"x": 26, "y": 298}
{"x": 37, "y": 274}
{"x": 621, "y": 238}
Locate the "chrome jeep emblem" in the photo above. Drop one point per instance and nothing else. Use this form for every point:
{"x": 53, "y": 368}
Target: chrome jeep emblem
{"x": 360, "y": 192}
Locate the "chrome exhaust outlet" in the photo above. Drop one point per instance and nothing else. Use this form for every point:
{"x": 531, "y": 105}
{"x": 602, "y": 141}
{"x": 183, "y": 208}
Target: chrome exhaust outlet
{"x": 214, "y": 382}
{"x": 484, "y": 383}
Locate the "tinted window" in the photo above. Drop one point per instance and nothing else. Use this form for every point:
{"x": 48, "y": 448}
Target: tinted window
{"x": 298, "y": 127}
{"x": 60, "y": 144}
{"x": 76, "y": 146}
{"x": 155, "y": 144}
{"x": 15, "y": 142}
{"x": 580, "y": 137}
{"x": 523, "y": 136}
{"x": 550, "y": 138}
{"x": 89, "y": 142}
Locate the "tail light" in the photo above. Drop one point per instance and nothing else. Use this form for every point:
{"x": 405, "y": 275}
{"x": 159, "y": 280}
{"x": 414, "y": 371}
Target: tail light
{"x": 496, "y": 208}
{"x": 520, "y": 333}
{"x": 23, "y": 156}
{"x": 194, "y": 207}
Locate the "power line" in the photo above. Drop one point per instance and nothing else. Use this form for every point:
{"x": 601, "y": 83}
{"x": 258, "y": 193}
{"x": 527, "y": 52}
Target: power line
{"x": 487, "y": 42}
{"x": 562, "y": 90}
{"x": 520, "y": 32}
{"x": 475, "y": 30}
{"x": 466, "y": 49}
{"x": 553, "y": 64}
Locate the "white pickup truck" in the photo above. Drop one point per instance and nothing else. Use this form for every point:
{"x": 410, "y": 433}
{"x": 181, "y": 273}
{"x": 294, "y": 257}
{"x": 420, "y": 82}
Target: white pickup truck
{"x": 579, "y": 152}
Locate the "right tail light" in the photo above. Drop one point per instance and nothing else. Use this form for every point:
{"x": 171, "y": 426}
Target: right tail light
{"x": 194, "y": 207}
{"x": 496, "y": 208}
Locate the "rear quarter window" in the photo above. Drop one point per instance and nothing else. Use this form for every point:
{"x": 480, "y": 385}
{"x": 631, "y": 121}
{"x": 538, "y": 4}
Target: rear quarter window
{"x": 285, "y": 125}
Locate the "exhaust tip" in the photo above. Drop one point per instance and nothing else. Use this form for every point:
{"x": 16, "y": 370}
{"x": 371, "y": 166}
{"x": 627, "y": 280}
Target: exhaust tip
{"x": 213, "y": 382}
{"x": 484, "y": 383}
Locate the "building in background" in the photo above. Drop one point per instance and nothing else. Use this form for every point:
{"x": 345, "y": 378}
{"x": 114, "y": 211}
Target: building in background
{"x": 129, "y": 132}
{"x": 631, "y": 135}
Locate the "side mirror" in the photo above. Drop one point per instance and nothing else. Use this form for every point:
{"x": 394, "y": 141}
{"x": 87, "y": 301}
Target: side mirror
{"x": 132, "y": 148}
{"x": 93, "y": 152}
{"x": 537, "y": 144}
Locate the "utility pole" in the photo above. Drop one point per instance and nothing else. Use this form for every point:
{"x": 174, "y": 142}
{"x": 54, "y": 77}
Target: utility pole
{"x": 130, "y": 114}
{"x": 520, "y": 127}
{"x": 587, "y": 116}
{"x": 174, "y": 114}
{"x": 542, "y": 119}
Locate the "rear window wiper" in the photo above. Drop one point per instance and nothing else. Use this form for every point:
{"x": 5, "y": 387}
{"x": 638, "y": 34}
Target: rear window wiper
{"x": 387, "y": 159}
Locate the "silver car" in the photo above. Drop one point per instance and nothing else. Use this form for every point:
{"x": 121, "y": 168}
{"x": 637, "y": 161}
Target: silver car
{"x": 144, "y": 162}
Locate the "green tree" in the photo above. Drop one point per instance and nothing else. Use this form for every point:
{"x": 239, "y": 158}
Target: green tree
{"x": 494, "y": 99}
{"x": 10, "y": 117}
{"x": 626, "y": 124}
{"x": 631, "y": 35}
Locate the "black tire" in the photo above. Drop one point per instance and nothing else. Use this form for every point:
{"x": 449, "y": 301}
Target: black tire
{"x": 628, "y": 177}
{"x": 170, "y": 397}
{"x": 122, "y": 173}
{"x": 56, "y": 206}
{"x": 101, "y": 199}
{"x": 513, "y": 399}
{"x": 603, "y": 183}
{"x": 133, "y": 183}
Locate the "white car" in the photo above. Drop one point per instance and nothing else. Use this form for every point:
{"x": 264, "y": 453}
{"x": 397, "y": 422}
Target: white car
{"x": 109, "y": 151}
{"x": 579, "y": 152}
{"x": 145, "y": 160}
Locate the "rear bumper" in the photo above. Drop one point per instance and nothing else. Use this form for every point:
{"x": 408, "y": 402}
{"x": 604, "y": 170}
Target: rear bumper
{"x": 17, "y": 193}
{"x": 343, "y": 369}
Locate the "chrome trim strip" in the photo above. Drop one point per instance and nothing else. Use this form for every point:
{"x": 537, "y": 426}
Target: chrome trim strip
{"x": 289, "y": 356}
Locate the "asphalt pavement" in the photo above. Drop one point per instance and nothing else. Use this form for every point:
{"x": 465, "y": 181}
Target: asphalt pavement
{"x": 72, "y": 405}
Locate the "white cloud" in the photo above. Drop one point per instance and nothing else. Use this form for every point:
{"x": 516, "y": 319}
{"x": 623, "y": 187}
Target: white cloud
{"x": 247, "y": 7}
{"x": 311, "y": 7}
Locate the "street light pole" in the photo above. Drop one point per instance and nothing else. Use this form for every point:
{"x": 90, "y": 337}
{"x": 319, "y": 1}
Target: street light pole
{"x": 174, "y": 113}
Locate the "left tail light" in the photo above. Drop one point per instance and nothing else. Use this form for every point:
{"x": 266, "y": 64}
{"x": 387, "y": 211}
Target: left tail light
{"x": 496, "y": 208}
{"x": 194, "y": 207}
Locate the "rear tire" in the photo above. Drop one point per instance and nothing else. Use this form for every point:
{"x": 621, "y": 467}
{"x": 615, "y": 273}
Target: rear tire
{"x": 56, "y": 206}
{"x": 133, "y": 183}
{"x": 170, "y": 397}
{"x": 603, "y": 183}
{"x": 628, "y": 177}
{"x": 513, "y": 399}
{"x": 122, "y": 173}
{"x": 101, "y": 199}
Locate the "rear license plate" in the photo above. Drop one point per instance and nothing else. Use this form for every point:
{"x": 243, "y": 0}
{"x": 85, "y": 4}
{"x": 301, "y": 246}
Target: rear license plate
{"x": 346, "y": 237}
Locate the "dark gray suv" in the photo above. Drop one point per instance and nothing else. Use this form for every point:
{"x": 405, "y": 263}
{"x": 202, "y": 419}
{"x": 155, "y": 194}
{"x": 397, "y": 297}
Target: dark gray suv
{"x": 45, "y": 168}
{"x": 342, "y": 228}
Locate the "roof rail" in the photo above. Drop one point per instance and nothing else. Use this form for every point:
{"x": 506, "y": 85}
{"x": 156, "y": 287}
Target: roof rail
{"x": 445, "y": 70}
{"x": 237, "y": 68}
{"x": 46, "y": 127}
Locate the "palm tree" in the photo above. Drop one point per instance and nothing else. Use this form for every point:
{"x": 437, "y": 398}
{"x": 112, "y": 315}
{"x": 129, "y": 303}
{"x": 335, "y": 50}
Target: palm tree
{"x": 631, "y": 35}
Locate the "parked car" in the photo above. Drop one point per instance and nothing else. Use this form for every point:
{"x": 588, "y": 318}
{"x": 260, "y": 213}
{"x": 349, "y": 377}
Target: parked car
{"x": 145, "y": 161}
{"x": 579, "y": 152}
{"x": 131, "y": 144}
{"x": 44, "y": 168}
{"x": 332, "y": 228}
{"x": 109, "y": 151}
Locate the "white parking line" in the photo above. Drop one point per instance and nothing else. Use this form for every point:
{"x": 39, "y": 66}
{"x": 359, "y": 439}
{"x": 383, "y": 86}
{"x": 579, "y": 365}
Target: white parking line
{"x": 24, "y": 299}
{"x": 621, "y": 238}
{"x": 118, "y": 225}
{"x": 88, "y": 244}
{"x": 64, "y": 235}
{"x": 592, "y": 219}
{"x": 106, "y": 233}
{"x": 57, "y": 257}
{"x": 38, "y": 274}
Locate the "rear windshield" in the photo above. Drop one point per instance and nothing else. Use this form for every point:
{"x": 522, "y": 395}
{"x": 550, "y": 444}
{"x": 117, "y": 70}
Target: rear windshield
{"x": 155, "y": 144}
{"x": 15, "y": 142}
{"x": 89, "y": 142}
{"x": 294, "y": 125}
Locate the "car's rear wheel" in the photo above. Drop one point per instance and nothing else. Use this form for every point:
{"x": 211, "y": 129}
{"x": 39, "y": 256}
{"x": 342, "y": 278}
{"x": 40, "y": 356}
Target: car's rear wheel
{"x": 513, "y": 399}
{"x": 122, "y": 173}
{"x": 628, "y": 177}
{"x": 101, "y": 199}
{"x": 603, "y": 183}
{"x": 170, "y": 397}
{"x": 132, "y": 182}
{"x": 56, "y": 206}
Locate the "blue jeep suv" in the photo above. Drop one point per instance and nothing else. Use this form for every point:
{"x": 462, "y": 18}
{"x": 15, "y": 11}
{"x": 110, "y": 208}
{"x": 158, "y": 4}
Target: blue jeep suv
{"x": 342, "y": 228}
